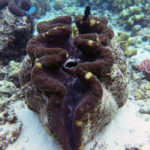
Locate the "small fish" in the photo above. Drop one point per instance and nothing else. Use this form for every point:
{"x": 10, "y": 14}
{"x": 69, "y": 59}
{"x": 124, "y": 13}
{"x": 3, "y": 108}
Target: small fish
{"x": 31, "y": 11}
{"x": 87, "y": 12}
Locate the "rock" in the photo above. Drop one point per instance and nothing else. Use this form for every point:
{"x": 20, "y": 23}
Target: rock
{"x": 13, "y": 70}
{"x": 142, "y": 91}
{"x": 145, "y": 38}
{"x": 130, "y": 52}
{"x": 139, "y": 17}
{"x": 6, "y": 86}
{"x": 136, "y": 28}
{"x": 138, "y": 94}
{"x": 124, "y": 14}
{"x": 134, "y": 9}
{"x": 145, "y": 34}
{"x": 144, "y": 110}
{"x": 147, "y": 47}
{"x": 10, "y": 72}
{"x": 58, "y": 4}
{"x": 14, "y": 33}
{"x": 124, "y": 42}
{"x": 123, "y": 36}
{"x": 134, "y": 15}
{"x": 71, "y": 11}
{"x": 11, "y": 128}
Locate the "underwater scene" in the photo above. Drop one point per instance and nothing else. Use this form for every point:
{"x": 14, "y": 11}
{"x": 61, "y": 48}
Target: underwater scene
{"x": 74, "y": 74}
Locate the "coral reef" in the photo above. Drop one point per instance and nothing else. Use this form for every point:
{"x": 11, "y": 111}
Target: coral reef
{"x": 75, "y": 84}
{"x": 14, "y": 33}
{"x": 10, "y": 72}
{"x": 10, "y": 133}
{"x": 17, "y": 7}
{"x": 41, "y": 7}
{"x": 142, "y": 91}
{"x": 143, "y": 34}
{"x": 140, "y": 79}
{"x": 144, "y": 66}
{"x": 125, "y": 42}
{"x": 117, "y": 5}
{"x": 121, "y": 4}
{"x": 134, "y": 15}
{"x": 98, "y": 145}
{"x": 58, "y": 4}
{"x": 132, "y": 12}
{"x": 10, "y": 126}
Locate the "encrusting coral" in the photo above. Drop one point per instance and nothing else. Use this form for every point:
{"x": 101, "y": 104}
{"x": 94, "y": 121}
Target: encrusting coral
{"x": 18, "y": 7}
{"x": 68, "y": 80}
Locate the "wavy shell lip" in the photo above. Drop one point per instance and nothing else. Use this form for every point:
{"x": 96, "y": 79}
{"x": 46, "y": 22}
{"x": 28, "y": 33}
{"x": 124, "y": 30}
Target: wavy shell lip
{"x": 70, "y": 82}
{"x": 75, "y": 107}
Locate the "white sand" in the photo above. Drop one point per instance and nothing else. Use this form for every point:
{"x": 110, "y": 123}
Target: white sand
{"x": 33, "y": 136}
{"x": 127, "y": 128}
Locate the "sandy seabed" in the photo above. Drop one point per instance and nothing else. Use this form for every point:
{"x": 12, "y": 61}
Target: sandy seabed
{"x": 127, "y": 129}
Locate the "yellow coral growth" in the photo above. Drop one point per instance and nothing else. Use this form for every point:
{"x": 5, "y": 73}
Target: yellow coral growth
{"x": 38, "y": 64}
{"x": 81, "y": 147}
{"x": 78, "y": 123}
{"x": 92, "y": 22}
{"x": 90, "y": 42}
{"x": 74, "y": 31}
{"x": 88, "y": 75}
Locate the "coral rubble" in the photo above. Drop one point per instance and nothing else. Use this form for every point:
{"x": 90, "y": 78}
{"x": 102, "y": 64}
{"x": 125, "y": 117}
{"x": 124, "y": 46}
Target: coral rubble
{"x": 75, "y": 84}
{"x": 10, "y": 126}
